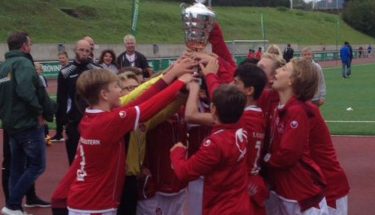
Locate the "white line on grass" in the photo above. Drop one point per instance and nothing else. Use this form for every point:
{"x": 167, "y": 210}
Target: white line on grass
{"x": 341, "y": 121}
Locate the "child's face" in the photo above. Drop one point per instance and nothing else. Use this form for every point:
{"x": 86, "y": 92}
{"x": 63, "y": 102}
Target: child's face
{"x": 63, "y": 59}
{"x": 283, "y": 77}
{"x": 267, "y": 65}
{"x": 239, "y": 84}
{"x": 39, "y": 69}
{"x": 308, "y": 55}
{"x": 128, "y": 86}
{"x": 113, "y": 93}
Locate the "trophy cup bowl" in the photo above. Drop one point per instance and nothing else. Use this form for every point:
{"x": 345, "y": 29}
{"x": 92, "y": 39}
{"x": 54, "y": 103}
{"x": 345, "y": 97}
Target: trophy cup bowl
{"x": 198, "y": 22}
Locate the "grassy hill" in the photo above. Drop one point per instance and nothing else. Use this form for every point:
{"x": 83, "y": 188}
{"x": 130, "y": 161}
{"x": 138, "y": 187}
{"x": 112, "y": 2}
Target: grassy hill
{"x": 159, "y": 22}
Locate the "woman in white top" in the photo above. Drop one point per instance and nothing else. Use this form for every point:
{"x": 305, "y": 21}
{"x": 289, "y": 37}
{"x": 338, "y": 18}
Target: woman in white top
{"x": 108, "y": 60}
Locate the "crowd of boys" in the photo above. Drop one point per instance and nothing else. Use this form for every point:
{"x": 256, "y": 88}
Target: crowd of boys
{"x": 206, "y": 136}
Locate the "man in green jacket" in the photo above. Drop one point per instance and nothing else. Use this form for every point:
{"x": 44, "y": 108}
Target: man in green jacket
{"x": 22, "y": 107}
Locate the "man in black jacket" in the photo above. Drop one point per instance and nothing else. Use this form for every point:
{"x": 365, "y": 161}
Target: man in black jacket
{"x": 288, "y": 53}
{"x": 131, "y": 58}
{"x": 66, "y": 94}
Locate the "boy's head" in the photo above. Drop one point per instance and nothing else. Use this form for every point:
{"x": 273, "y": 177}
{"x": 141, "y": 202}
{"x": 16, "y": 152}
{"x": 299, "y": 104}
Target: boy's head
{"x": 250, "y": 80}
{"x": 38, "y": 68}
{"x": 269, "y": 63}
{"x": 63, "y": 58}
{"x": 228, "y": 104}
{"x": 300, "y": 76}
{"x": 99, "y": 85}
{"x": 128, "y": 82}
{"x": 137, "y": 71}
{"x": 307, "y": 53}
{"x": 274, "y": 49}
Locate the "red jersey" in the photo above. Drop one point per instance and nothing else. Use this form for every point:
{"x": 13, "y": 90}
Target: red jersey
{"x": 293, "y": 173}
{"x": 324, "y": 154}
{"x": 251, "y": 56}
{"x": 268, "y": 101}
{"x": 97, "y": 174}
{"x": 222, "y": 161}
{"x": 197, "y": 133}
{"x": 258, "y": 55}
{"x": 253, "y": 122}
{"x": 159, "y": 141}
{"x": 227, "y": 65}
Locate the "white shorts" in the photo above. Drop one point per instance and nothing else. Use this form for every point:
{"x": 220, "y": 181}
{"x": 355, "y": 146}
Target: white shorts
{"x": 341, "y": 207}
{"x": 194, "y": 197}
{"x": 277, "y": 205}
{"x": 170, "y": 203}
{"x": 162, "y": 204}
{"x": 87, "y": 213}
{"x": 147, "y": 206}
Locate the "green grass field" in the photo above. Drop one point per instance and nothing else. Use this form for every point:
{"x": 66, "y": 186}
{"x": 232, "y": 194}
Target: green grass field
{"x": 357, "y": 92}
{"x": 107, "y": 21}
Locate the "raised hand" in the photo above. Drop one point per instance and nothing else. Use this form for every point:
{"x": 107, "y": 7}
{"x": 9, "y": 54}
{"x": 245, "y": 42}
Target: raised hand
{"x": 211, "y": 66}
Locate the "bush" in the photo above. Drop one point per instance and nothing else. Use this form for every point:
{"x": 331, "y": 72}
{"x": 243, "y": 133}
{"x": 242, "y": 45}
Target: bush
{"x": 360, "y": 14}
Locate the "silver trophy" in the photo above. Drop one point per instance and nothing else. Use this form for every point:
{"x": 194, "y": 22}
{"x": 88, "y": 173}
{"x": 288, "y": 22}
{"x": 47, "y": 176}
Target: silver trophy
{"x": 198, "y": 22}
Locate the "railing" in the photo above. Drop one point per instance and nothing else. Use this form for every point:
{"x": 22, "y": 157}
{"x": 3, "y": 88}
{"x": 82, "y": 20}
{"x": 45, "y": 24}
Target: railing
{"x": 51, "y": 68}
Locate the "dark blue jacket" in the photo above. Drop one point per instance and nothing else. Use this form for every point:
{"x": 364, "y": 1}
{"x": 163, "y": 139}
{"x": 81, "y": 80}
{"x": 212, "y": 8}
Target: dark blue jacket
{"x": 345, "y": 54}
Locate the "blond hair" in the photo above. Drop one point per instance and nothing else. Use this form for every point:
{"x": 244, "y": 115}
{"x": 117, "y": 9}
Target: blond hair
{"x": 129, "y": 37}
{"x": 274, "y": 49}
{"x": 304, "y": 79}
{"x": 38, "y": 65}
{"x": 91, "y": 82}
{"x": 278, "y": 61}
{"x": 306, "y": 49}
{"x": 126, "y": 76}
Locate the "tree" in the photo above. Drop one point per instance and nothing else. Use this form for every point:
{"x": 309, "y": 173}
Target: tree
{"x": 360, "y": 14}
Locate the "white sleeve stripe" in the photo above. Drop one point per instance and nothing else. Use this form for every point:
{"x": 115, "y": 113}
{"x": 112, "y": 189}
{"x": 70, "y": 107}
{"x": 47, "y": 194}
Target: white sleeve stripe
{"x": 136, "y": 123}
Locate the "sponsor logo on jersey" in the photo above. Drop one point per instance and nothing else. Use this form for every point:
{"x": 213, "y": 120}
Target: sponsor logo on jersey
{"x": 122, "y": 114}
{"x": 207, "y": 143}
{"x": 294, "y": 124}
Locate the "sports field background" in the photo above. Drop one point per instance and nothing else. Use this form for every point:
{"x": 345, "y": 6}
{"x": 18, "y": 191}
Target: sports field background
{"x": 357, "y": 93}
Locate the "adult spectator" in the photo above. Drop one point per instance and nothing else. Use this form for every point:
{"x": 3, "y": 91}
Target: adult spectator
{"x": 360, "y": 52}
{"x": 66, "y": 94}
{"x": 60, "y": 114}
{"x": 288, "y": 53}
{"x": 320, "y": 94}
{"x": 369, "y": 50}
{"x": 345, "y": 55}
{"x": 133, "y": 58}
{"x": 24, "y": 104}
{"x": 92, "y": 47}
{"x": 108, "y": 60}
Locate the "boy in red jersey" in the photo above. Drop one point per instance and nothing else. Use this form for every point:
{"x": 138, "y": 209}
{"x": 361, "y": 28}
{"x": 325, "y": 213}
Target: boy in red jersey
{"x": 296, "y": 181}
{"x": 250, "y": 80}
{"x": 324, "y": 154}
{"x": 221, "y": 159}
{"x": 97, "y": 171}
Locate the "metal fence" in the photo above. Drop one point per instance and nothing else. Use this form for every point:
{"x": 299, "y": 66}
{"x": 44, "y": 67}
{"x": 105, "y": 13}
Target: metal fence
{"x": 52, "y": 68}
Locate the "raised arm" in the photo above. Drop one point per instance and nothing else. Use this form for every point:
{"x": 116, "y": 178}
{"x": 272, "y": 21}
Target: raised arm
{"x": 201, "y": 163}
{"x": 192, "y": 114}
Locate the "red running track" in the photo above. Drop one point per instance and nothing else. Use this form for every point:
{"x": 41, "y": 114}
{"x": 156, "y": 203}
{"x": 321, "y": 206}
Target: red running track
{"x": 355, "y": 154}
